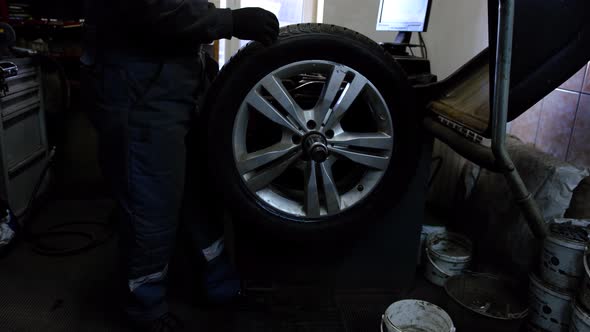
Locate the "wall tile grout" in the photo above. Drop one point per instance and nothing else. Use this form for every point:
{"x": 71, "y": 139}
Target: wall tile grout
{"x": 569, "y": 146}
{"x": 539, "y": 121}
{"x": 567, "y": 91}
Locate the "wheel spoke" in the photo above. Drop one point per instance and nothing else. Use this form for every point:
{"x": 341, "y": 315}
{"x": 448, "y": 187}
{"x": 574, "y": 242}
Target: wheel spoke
{"x": 276, "y": 89}
{"x": 260, "y": 104}
{"x": 349, "y": 95}
{"x": 255, "y": 160}
{"x": 279, "y": 103}
{"x": 369, "y": 160}
{"x": 312, "y": 198}
{"x": 330, "y": 190}
{"x": 372, "y": 141}
{"x": 266, "y": 177}
{"x": 330, "y": 93}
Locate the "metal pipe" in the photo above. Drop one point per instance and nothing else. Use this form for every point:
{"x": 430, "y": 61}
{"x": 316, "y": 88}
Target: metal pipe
{"x": 529, "y": 207}
{"x": 475, "y": 152}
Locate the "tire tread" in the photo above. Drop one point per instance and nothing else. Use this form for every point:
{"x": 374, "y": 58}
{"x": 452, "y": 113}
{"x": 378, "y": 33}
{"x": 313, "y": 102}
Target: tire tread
{"x": 214, "y": 114}
{"x": 296, "y": 30}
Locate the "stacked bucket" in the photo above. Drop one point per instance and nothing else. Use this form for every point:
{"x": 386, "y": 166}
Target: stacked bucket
{"x": 447, "y": 255}
{"x": 560, "y": 293}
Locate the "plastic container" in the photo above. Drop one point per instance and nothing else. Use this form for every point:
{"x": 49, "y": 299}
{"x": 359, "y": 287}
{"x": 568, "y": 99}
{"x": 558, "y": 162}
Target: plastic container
{"x": 550, "y": 307}
{"x": 533, "y": 328}
{"x": 447, "y": 254}
{"x": 580, "y": 319}
{"x": 485, "y": 303}
{"x": 562, "y": 259}
{"x": 426, "y": 231}
{"x": 416, "y": 316}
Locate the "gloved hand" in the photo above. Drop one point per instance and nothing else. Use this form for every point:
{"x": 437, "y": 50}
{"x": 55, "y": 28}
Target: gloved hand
{"x": 255, "y": 24}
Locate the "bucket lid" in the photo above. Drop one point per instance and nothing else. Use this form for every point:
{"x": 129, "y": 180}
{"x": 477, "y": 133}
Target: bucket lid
{"x": 402, "y": 312}
{"x": 450, "y": 246}
{"x": 569, "y": 232}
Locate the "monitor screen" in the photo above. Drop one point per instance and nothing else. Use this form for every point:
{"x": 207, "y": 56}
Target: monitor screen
{"x": 403, "y": 15}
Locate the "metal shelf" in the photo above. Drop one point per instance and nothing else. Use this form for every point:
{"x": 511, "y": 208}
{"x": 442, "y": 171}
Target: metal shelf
{"x": 23, "y": 141}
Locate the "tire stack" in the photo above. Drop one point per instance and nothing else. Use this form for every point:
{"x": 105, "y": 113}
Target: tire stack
{"x": 560, "y": 292}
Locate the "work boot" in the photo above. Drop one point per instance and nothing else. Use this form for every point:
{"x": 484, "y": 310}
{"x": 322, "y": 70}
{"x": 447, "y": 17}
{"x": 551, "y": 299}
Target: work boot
{"x": 222, "y": 283}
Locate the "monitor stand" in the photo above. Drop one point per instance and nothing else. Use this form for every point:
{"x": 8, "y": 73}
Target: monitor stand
{"x": 400, "y": 44}
{"x": 417, "y": 68}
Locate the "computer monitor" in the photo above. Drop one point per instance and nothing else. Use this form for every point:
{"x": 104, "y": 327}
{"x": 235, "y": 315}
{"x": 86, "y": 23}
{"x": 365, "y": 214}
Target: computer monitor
{"x": 404, "y": 15}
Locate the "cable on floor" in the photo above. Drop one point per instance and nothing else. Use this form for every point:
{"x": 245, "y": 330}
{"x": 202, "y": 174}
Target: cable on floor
{"x": 41, "y": 240}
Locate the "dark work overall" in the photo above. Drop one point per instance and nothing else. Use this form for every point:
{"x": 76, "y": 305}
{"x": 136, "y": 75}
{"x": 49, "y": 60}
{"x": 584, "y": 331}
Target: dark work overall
{"x": 142, "y": 80}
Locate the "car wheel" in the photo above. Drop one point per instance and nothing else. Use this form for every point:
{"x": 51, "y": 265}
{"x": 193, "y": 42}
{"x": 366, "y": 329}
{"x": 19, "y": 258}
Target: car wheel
{"x": 317, "y": 131}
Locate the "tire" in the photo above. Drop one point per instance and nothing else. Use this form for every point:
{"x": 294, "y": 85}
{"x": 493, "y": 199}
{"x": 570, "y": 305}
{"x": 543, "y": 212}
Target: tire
{"x": 298, "y": 44}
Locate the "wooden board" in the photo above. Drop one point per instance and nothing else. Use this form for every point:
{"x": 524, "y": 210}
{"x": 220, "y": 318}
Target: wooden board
{"x": 468, "y": 102}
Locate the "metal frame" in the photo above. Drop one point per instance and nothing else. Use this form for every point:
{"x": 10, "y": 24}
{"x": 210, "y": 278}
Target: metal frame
{"x": 19, "y": 177}
{"x": 529, "y": 207}
{"x": 495, "y": 158}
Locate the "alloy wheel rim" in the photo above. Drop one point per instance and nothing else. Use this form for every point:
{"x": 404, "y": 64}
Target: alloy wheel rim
{"x": 313, "y": 166}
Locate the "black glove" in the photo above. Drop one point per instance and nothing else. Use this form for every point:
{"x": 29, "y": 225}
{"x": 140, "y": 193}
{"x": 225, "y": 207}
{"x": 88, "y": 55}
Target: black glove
{"x": 255, "y": 24}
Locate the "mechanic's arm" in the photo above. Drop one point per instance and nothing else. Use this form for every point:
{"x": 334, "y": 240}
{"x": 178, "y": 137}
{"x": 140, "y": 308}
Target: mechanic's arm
{"x": 201, "y": 21}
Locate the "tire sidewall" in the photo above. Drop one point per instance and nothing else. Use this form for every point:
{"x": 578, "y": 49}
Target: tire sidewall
{"x": 257, "y": 62}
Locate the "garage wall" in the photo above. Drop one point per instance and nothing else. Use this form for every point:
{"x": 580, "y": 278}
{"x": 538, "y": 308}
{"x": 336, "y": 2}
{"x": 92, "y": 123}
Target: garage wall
{"x": 457, "y": 31}
{"x": 560, "y": 123}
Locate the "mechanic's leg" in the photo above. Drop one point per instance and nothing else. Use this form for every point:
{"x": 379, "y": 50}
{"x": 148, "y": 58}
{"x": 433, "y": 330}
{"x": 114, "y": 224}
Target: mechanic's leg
{"x": 203, "y": 215}
{"x": 143, "y": 118}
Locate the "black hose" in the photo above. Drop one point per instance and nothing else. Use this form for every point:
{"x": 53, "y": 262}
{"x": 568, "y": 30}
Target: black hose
{"x": 59, "y": 231}
{"x": 38, "y": 184}
{"x": 69, "y": 229}
{"x": 423, "y": 46}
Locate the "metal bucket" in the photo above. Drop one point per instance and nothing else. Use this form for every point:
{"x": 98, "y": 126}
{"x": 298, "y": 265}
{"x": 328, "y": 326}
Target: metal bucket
{"x": 416, "y": 316}
{"x": 585, "y": 295}
{"x": 580, "y": 319}
{"x": 448, "y": 254}
{"x": 486, "y": 303}
{"x": 550, "y": 307}
{"x": 562, "y": 258}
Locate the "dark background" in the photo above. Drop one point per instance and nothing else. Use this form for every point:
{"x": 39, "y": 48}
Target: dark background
{"x": 60, "y": 9}
{"x": 57, "y": 9}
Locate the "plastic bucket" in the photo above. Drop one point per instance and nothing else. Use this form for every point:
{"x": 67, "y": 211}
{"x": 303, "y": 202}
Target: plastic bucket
{"x": 426, "y": 231}
{"x": 416, "y": 316}
{"x": 580, "y": 319}
{"x": 585, "y": 295}
{"x": 550, "y": 307}
{"x": 562, "y": 259}
{"x": 533, "y": 328}
{"x": 447, "y": 254}
{"x": 486, "y": 303}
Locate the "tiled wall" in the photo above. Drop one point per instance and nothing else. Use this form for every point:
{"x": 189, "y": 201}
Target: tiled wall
{"x": 560, "y": 123}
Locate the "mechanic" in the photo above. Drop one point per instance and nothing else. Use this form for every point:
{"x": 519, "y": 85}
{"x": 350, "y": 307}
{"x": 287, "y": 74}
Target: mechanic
{"x": 142, "y": 77}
